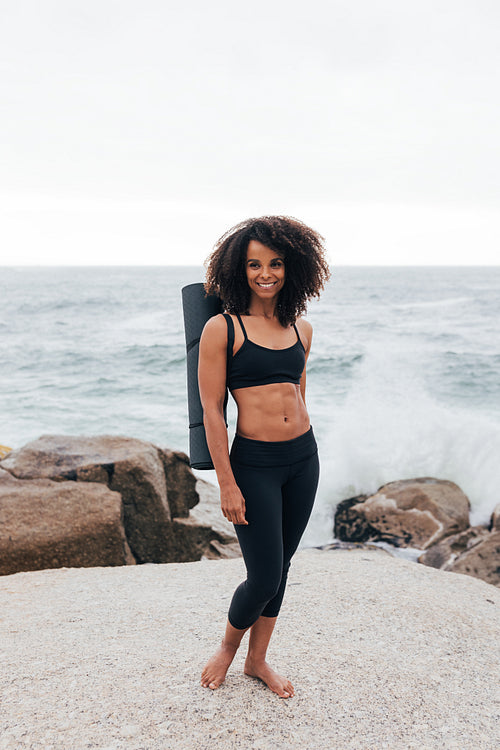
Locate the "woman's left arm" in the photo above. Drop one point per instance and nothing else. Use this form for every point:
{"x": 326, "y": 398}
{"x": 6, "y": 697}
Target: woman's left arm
{"x": 306, "y": 334}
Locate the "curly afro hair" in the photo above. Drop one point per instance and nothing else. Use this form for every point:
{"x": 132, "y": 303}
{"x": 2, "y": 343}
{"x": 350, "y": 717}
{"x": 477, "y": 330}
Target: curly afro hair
{"x": 300, "y": 247}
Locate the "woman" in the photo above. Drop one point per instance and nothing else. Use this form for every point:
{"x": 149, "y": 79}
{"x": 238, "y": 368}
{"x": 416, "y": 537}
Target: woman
{"x": 264, "y": 270}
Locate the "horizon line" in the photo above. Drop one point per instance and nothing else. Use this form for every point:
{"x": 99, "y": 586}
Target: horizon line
{"x": 201, "y": 265}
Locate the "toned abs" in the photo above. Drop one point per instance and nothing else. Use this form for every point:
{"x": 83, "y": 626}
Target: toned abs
{"x": 271, "y": 412}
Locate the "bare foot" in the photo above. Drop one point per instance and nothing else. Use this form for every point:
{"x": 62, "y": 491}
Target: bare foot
{"x": 215, "y": 670}
{"x": 273, "y": 680}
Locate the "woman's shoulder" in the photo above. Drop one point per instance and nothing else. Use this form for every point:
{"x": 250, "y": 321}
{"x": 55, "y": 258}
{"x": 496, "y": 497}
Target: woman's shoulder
{"x": 214, "y": 336}
{"x": 304, "y": 326}
{"x": 215, "y": 328}
{"x": 305, "y": 332}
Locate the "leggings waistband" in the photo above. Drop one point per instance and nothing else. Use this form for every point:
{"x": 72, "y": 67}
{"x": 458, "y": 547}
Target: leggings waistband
{"x": 264, "y": 453}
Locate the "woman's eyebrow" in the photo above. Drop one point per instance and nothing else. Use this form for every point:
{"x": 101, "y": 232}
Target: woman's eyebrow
{"x": 256, "y": 260}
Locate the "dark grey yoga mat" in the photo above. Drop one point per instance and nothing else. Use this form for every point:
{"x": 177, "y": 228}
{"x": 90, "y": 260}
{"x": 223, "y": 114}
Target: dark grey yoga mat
{"x": 197, "y": 308}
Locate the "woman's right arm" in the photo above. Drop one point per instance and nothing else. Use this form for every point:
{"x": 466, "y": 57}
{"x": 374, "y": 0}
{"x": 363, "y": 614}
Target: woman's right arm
{"x": 212, "y": 384}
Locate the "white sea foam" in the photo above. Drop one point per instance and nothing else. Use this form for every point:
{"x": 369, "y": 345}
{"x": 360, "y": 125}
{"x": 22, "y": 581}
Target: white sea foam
{"x": 390, "y": 427}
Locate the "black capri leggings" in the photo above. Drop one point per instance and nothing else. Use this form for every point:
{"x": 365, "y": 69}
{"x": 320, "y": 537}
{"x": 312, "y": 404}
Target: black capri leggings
{"x": 278, "y": 481}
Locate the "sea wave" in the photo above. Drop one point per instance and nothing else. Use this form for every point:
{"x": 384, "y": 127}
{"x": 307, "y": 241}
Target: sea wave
{"x": 391, "y": 426}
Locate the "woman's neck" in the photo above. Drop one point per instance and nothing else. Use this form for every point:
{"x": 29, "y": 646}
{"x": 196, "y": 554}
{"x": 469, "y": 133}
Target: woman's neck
{"x": 263, "y": 309}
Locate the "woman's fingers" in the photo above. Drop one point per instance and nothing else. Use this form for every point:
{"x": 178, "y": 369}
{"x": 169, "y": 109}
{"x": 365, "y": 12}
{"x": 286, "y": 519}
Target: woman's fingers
{"x": 240, "y": 514}
{"x": 236, "y": 515}
{"x": 233, "y": 507}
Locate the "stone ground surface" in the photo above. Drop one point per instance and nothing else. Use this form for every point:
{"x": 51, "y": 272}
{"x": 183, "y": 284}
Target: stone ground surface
{"x": 383, "y": 653}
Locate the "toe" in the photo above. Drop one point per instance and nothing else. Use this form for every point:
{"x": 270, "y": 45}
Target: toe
{"x": 287, "y": 691}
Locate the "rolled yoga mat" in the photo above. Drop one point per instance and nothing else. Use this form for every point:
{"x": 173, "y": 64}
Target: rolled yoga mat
{"x": 197, "y": 308}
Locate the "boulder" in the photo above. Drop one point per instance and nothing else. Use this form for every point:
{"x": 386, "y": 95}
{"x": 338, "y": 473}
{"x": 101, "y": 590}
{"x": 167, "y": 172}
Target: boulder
{"x": 157, "y": 489}
{"x": 47, "y": 524}
{"x": 482, "y": 560}
{"x": 181, "y": 482}
{"x": 444, "y": 554}
{"x": 407, "y": 513}
{"x": 475, "y": 552}
{"x": 129, "y": 466}
{"x": 495, "y": 519}
{"x": 350, "y": 525}
{"x": 190, "y": 539}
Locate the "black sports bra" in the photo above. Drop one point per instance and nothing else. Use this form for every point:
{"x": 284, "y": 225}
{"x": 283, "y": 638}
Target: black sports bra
{"x": 254, "y": 364}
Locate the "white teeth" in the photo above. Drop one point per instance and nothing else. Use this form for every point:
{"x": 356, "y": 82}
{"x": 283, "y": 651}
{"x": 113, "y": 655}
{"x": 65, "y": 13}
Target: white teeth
{"x": 267, "y": 286}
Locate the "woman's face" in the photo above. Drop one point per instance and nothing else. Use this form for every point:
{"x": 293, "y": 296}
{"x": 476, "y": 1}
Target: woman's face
{"x": 265, "y": 270}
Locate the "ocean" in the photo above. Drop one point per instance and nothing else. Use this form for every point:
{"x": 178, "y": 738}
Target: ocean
{"x": 403, "y": 377}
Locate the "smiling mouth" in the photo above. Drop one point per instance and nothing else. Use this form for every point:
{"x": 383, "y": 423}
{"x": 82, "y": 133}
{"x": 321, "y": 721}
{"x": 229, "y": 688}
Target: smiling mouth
{"x": 266, "y": 286}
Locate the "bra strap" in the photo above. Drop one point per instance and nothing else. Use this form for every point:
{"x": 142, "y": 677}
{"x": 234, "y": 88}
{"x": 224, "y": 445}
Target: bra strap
{"x": 242, "y": 326}
{"x": 230, "y": 342}
{"x": 298, "y": 337}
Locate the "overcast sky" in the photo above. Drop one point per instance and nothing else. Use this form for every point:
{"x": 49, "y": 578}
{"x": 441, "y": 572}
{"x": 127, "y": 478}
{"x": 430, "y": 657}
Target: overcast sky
{"x": 138, "y": 132}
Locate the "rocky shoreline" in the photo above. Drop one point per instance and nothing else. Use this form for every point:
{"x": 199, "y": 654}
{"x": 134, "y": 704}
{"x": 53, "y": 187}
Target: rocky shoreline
{"x": 427, "y": 514}
{"x": 75, "y": 501}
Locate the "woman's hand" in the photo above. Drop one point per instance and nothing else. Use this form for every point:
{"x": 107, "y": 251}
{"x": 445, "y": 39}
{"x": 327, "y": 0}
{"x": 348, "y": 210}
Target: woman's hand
{"x": 232, "y": 504}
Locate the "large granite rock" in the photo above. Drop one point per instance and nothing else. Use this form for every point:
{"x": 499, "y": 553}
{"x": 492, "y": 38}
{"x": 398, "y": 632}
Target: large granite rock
{"x": 444, "y": 554}
{"x": 129, "y": 466}
{"x": 495, "y": 519}
{"x": 407, "y": 513}
{"x": 482, "y": 560}
{"x": 46, "y": 524}
{"x": 351, "y": 525}
{"x": 156, "y": 486}
{"x": 182, "y": 494}
{"x": 475, "y": 552}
